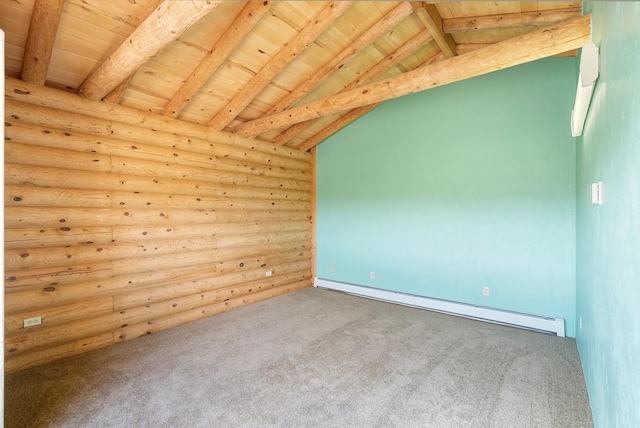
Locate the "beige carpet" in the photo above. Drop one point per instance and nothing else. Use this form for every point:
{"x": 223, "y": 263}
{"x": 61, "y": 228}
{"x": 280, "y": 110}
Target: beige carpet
{"x": 313, "y": 358}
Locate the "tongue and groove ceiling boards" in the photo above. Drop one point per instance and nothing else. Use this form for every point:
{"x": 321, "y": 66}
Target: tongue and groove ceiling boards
{"x": 288, "y": 72}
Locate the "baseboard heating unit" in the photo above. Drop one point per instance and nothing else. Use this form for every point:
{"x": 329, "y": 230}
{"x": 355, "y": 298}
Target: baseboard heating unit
{"x": 482, "y": 313}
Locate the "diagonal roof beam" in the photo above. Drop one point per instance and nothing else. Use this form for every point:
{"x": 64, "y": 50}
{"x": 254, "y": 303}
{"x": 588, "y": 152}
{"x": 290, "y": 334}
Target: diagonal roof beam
{"x": 336, "y": 125}
{"x": 117, "y": 94}
{"x": 387, "y": 63}
{"x": 518, "y": 50}
{"x": 354, "y": 114}
{"x": 164, "y": 25}
{"x": 385, "y": 24}
{"x": 242, "y": 25}
{"x": 464, "y": 48}
{"x": 528, "y": 19}
{"x": 278, "y": 62}
{"x": 541, "y": 18}
{"x": 43, "y": 28}
{"x": 431, "y": 19}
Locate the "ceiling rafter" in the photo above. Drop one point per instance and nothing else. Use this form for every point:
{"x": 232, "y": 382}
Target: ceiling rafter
{"x": 431, "y": 19}
{"x": 511, "y": 20}
{"x": 187, "y": 83}
{"x": 387, "y": 63}
{"x": 519, "y": 50}
{"x": 335, "y": 126}
{"x": 384, "y": 24}
{"x": 241, "y": 26}
{"x": 170, "y": 19}
{"x": 278, "y": 62}
{"x": 117, "y": 94}
{"x": 470, "y": 47}
{"x": 352, "y": 115}
{"x": 45, "y": 19}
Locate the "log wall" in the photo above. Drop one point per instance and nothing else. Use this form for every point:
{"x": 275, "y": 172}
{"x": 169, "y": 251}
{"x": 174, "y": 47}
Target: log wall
{"x": 119, "y": 224}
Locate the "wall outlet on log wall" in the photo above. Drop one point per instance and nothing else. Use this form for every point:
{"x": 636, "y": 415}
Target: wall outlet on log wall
{"x": 30, "y": 322}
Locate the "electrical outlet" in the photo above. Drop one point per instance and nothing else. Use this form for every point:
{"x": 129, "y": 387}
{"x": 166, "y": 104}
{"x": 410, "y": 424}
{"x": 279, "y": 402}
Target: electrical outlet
{"x": 268, "y": 273}
{"x": 30, "y": 322}
{"x": 580, "y": 323}
{"x": 485, "y": 291}
{"x": 331, "y": 269}
{"x": 372, "y": 275}
{"x": 596, "y": 193}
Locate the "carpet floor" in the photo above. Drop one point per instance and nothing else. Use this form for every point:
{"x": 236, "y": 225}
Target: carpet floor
{"x": 312, "y": 358}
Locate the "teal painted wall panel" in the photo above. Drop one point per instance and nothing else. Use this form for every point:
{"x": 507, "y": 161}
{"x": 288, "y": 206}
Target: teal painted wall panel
{"x": 608, "y": 236}
{"x": 463, "y": 186}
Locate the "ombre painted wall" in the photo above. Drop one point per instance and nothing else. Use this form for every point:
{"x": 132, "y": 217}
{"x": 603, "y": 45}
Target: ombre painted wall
{"x": 461, "y": 187}
{"x": 608, "y": 236}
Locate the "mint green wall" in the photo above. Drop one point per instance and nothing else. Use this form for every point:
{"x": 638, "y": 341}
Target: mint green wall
{"x": 608, "y": 236}
{"x": 463, "y": 186}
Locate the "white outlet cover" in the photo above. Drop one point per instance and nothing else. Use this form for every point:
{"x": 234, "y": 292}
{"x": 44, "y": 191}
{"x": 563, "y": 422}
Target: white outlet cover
{"x": 30, "y": 322}
{"x": 596, "y": 193}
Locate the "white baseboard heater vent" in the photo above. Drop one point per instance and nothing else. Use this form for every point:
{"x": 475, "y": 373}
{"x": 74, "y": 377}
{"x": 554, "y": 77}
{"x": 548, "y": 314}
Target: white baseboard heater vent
{"x": 482, "y": 313}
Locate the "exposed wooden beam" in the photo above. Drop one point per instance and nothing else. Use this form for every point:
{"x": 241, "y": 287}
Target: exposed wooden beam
{"x": 349, "y": 117}
{"x": 383, "y": 25}
{"x": 288, "y": 134}
{"x": 285, "y": 136}
{"x": 164, "y": 25}
{"x": 116, "y": 95}
{"x": 388, "y": 62}
{"x": 242, "y": 25}
{"x": 519, "y": 50}
{"x": 394, "y": 58}
{"x": 431, "y": 19}
{"x": 470, "y": 47}
{"x": 43, "y": 28}
{"x": 278, "y": 62}
{"x": 572, "y": 52}
{"x": 541, "y": 18}
{"x": 335, "y": 126}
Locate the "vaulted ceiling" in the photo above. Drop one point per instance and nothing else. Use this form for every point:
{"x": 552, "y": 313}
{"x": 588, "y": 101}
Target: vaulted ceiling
{"x": 289, "y": 72}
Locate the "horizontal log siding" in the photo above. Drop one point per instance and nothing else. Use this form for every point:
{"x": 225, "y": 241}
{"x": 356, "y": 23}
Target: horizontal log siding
{"x": 115, "y": 230}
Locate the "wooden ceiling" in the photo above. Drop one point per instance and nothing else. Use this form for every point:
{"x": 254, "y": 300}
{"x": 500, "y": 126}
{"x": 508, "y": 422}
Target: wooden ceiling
{"x": 289, "y": 72}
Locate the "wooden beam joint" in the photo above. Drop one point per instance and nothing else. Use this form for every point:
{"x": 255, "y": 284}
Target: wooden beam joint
{"x": 431, "y": 19}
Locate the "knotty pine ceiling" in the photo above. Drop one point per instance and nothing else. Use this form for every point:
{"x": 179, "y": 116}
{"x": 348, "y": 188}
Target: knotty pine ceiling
{"x": 225, "y": 64}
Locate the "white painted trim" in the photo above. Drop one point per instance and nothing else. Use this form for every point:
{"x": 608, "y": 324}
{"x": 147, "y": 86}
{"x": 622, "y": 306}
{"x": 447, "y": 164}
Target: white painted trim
{"x": 483, "y": 313}
{"x": 589, "y": 66}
